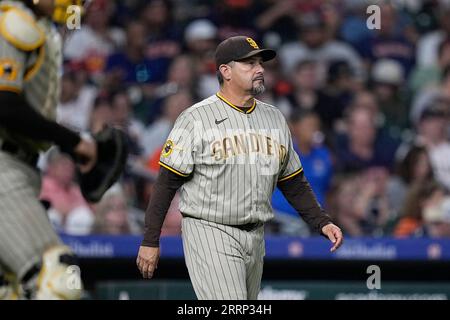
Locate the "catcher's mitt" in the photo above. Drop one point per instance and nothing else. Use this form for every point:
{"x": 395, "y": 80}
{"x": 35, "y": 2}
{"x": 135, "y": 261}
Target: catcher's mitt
{"x": 112, "y": 153}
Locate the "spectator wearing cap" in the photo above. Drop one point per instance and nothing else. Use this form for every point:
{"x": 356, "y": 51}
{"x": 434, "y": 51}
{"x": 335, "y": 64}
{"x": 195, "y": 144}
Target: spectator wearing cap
{"x": 200, "y": 38}
{"x": 313, "y": 43}
{"x": 387, "y": 84}
{"x": 388, "y": 71}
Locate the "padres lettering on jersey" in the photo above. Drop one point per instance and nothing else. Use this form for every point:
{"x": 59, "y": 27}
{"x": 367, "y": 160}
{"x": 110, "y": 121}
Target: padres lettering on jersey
{"x": 230, "y": 146}
{"x": 234, "y": 158}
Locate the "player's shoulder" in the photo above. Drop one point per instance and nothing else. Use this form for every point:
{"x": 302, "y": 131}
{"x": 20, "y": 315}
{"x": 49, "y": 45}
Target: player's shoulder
{"x": 266, "y": 107}
{"x": 202, "y": 106}
{"x": 19, "y": 27}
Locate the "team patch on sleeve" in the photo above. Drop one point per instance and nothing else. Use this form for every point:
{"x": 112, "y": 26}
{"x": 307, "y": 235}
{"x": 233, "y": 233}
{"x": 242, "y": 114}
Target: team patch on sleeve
{"x": 167, "y": 149}
{"x": 8, "y": 69}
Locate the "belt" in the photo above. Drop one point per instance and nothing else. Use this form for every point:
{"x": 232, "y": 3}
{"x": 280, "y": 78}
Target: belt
{"x": 30, "y": 158}
{"x": 244, "y": 227}
{"x": 248, "y": 226}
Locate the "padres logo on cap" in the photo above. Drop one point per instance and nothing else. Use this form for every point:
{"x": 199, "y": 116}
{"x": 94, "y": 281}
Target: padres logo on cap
{"x": 252, "y": 43}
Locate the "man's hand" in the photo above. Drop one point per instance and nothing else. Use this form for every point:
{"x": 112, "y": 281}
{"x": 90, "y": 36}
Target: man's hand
{"x": 147, "y": 261}
{"x": 334, "y": 233}
{"x": 86, "y": 154}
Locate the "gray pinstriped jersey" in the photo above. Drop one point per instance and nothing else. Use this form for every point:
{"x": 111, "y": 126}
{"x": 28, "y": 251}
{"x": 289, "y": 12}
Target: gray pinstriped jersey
{"x": 234, "y": 160}
{"x": 35, "y": 73}
{"x": 43, "y": 89}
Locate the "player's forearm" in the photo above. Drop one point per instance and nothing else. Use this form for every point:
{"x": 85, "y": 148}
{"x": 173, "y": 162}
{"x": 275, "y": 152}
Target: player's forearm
{"x": 164, "y": 190}
{"x": 299, "y": 194}
{"x": 18, "y": 117}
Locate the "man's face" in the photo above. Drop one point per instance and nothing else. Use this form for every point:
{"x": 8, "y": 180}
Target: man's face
{"x": 362, "y": 127}
{"x": 305, "y": 77}
{"x": 305, "y": 129}
{"x": 248, "y": 75}
{"x": 314, "y": 37}
{"x": 433, "y": 128}
{"x": 62, "y": 170}
{"x": 136, "y": 36}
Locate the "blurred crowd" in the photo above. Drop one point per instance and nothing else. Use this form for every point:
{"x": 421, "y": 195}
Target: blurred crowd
{"x": 369, "y": 110}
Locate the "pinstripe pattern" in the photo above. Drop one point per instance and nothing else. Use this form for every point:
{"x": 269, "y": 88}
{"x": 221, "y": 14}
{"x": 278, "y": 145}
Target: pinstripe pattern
{"x": 25, "y": 231}
{"x": 9, "y": 53}
{"x": 236, "y": 189}
{"x": 43, "y": 89}
{"x": 37, "y": 75}
{"x": 235, "y": 160}
{"x": 224, "y": 263}
{"x": 24, "y": 227}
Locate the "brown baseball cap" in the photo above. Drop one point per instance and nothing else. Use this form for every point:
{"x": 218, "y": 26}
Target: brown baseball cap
{"x": 239, "y": 48}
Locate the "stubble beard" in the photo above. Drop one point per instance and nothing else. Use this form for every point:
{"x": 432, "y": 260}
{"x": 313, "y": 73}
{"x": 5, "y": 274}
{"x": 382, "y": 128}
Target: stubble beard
{"x": 258, "y": 89}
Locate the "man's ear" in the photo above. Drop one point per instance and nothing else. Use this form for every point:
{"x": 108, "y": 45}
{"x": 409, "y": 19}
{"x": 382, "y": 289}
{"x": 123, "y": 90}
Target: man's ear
{"x": 225, "y": 70}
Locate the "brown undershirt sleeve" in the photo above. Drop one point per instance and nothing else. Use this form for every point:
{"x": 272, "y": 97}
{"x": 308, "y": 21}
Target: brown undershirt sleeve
{"x": 164, "y": 190}
{"x": 297, "y": 191}
{"x": 299, "y": 194}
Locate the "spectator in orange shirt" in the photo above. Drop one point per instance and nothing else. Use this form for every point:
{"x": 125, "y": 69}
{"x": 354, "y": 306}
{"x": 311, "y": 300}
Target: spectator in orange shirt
{"x": 420, "y": 197}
